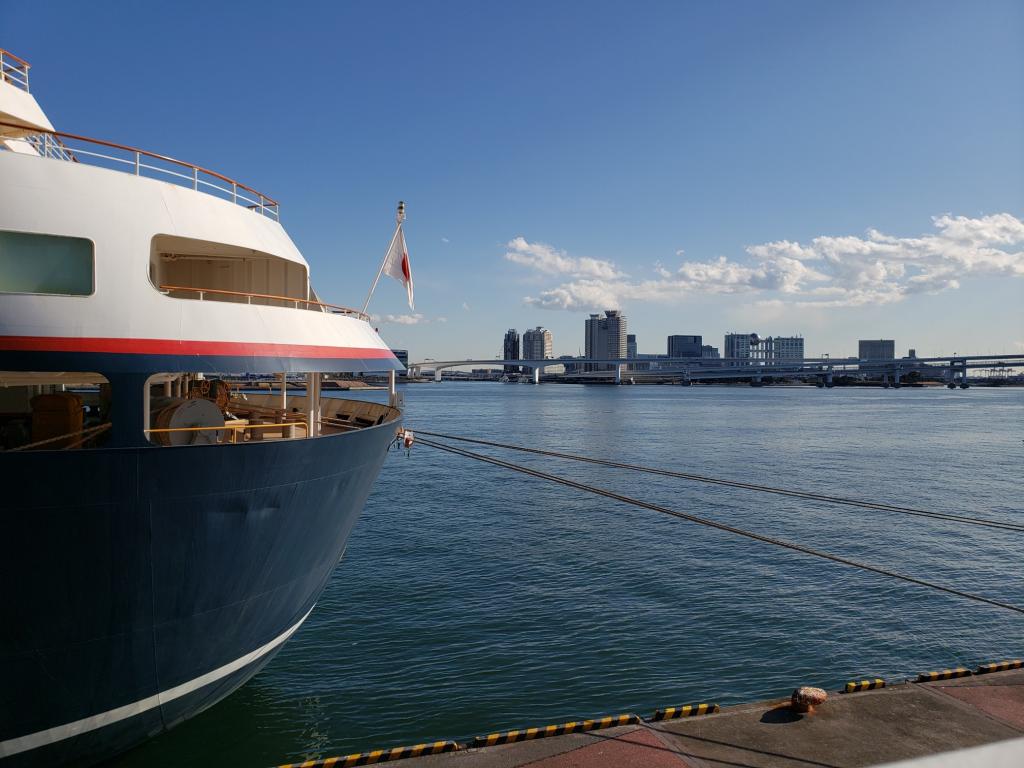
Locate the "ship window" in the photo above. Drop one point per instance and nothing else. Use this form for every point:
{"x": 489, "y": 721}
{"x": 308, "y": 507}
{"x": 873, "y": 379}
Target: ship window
{"x": 46, "y": 411}
{"x": 49, "y": 264}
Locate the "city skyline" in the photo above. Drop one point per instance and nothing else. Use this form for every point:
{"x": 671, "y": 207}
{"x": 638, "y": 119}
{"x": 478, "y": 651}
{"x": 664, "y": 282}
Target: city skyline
{"x": 601, "y": 341}
{"x": 840, "y": 171}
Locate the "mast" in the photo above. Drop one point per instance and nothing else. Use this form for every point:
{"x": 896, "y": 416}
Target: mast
{"x": 399, "y": 218}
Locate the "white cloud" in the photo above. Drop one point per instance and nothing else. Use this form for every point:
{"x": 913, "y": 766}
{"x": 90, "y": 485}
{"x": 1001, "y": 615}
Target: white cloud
{"x": 445, "y": 240}
{"x": 466, "y": 307}
{"x": 551, "y": 261}
{"x": 828, "y": 271}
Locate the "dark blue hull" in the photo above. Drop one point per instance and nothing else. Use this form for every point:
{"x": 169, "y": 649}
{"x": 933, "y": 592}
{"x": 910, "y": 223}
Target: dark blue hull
{"x": 142, "y": 585}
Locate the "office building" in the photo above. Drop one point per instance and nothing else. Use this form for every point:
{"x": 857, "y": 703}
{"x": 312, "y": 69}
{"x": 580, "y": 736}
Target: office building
{"x": 685, "y": 346}
{"x": 631, "y": 345}
{"x": 709, "y": 353}
{"x": 880, "y": 349}
{"x": 771, "y": 349}
{"x": 537, "y": 344}
{"x": 510, "y": 350}
{"x": 605, "y": 337}
{"x": 737, "y": 345}
{"x": 403, "y": 358}
{"x": 784, "y": 347}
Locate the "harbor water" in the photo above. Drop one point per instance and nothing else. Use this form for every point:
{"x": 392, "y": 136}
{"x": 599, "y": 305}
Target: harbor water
{"x": 472, "y": 599}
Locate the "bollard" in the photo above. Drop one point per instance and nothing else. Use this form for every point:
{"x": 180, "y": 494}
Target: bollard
{"x": 805, "y": 699}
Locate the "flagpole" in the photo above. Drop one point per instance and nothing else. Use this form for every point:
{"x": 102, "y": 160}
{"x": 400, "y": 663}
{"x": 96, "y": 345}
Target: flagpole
{"x": 399, "y": 218}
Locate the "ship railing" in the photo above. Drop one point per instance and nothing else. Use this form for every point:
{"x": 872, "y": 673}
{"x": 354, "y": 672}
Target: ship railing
{"x": 69, "y": 440}
{"x": 297, "y": 303}
{"x": 59, "y": 145}
{"x": 50, "y": 146}
{"x": 14, "y": 70}
{"x": 233, "y": 432}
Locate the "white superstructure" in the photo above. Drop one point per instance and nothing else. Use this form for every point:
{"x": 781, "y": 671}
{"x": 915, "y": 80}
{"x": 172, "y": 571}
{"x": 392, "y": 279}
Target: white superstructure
{"x": 184, "y": 261}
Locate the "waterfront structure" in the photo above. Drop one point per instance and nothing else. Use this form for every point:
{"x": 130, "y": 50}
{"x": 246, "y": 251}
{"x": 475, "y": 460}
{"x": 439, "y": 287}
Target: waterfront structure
{"x": 402, "y": 356}
{"x": 569, "y": 365}
{"x": 510, "y": 349}
{"x": 537, "y": 344}
{"x": 630, "y": 345}
{"x": 709, "y": 353}
{"x": 876, "y": 349}
{"x": 685, "y": 346}
{"x": 163, "y": 538}
{"x": 605, "y": 337}
{"x": 750, "y": 346}
{"x": 737, "y": 345}
{"x": 951, "y": 368}
{"x": 645, "y": 361}
{"x": 783, "y": 348}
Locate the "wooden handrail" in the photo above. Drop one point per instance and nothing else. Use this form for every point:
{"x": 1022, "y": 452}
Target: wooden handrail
{"x": 90, "y": 431}
{"x": 226, "y": 426}
{"x": 24, "y": 63}
{"x": 343, "y": 310}
{"x": 268, "y": 201}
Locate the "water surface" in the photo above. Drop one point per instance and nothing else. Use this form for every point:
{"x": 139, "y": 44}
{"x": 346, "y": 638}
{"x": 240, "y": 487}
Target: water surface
{"x": 472, "y": 599}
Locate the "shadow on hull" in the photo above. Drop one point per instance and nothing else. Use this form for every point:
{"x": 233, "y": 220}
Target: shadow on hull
{"x": 145, "y": 584}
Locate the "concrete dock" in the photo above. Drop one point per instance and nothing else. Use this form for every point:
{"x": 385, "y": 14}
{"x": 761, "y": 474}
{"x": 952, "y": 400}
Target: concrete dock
{"x": 900, "y": 721}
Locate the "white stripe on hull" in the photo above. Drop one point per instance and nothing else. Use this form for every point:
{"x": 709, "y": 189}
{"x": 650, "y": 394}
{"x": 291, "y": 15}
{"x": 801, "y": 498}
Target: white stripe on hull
{"x": 86, "y": 724}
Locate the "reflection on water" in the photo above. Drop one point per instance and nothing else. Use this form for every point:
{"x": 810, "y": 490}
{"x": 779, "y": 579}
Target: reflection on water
{"x": 472, "y": 599}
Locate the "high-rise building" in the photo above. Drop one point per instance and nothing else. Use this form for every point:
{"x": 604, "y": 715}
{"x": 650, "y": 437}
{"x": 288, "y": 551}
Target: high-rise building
{"x": 537, "y": 344}
{"x": 685, "y": 346}
{"x": 785, "y": 347}
{"x": 605, "y": 337}
{"x": 880, "y": 349}
{"x": 630, "y": 345}
{"x": 708, "y": 352}
{"x": 511, "y": 349}
{"x": 737, "y": 345}
{"x": 749, "y": 346}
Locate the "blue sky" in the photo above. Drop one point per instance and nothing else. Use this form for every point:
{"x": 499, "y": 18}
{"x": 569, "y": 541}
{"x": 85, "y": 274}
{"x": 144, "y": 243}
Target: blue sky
{"x": 840, "y": 170}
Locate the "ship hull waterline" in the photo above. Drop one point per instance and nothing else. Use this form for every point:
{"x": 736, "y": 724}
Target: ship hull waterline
{"x": 143, "y": 585}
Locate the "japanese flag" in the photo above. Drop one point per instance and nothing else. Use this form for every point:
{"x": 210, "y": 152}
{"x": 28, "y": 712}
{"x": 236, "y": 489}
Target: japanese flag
{"x": 396, "y": 264}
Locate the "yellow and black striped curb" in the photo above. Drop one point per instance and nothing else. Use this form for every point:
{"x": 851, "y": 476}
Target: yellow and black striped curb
{"x": 946, "y": 674}
{"x": 999, "y": 666}
{"x": 864, "y": 685}
{"x": 379, "y": 756}
{"x": 509, "y": 737}
{"x": 689, "y": 710}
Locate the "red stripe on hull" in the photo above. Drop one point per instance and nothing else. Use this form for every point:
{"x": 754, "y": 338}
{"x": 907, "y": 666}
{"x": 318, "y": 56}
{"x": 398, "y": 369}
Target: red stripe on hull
{"x": 185, "y": 347}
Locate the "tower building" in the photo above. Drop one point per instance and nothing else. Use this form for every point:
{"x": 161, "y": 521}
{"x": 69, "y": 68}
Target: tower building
{"x": 537, "y": 344}
{"x": 605, "y": 337}
{"x": 510, "y": 350}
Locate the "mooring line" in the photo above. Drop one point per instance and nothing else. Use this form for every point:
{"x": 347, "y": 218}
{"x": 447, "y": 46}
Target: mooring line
{"x": 720, "y": 526}
{"x": 747, "y": 486}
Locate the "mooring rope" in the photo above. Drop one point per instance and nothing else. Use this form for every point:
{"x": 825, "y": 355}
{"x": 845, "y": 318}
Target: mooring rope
{"x": 720, "y": 526}
{"x": 748, "y": 486}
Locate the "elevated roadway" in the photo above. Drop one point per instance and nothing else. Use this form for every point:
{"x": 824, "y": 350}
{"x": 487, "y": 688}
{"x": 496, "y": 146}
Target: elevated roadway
{"x": 953, "y": 368}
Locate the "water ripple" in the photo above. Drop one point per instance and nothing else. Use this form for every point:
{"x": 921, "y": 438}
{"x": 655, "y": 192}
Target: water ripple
{"x": 471, "y": 599}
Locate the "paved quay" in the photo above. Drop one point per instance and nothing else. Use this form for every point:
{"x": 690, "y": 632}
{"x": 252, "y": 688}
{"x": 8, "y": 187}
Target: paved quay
{"x": 897, "y": 722}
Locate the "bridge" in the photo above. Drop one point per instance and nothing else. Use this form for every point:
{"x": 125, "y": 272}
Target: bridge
{"x": 952, "y": 369}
